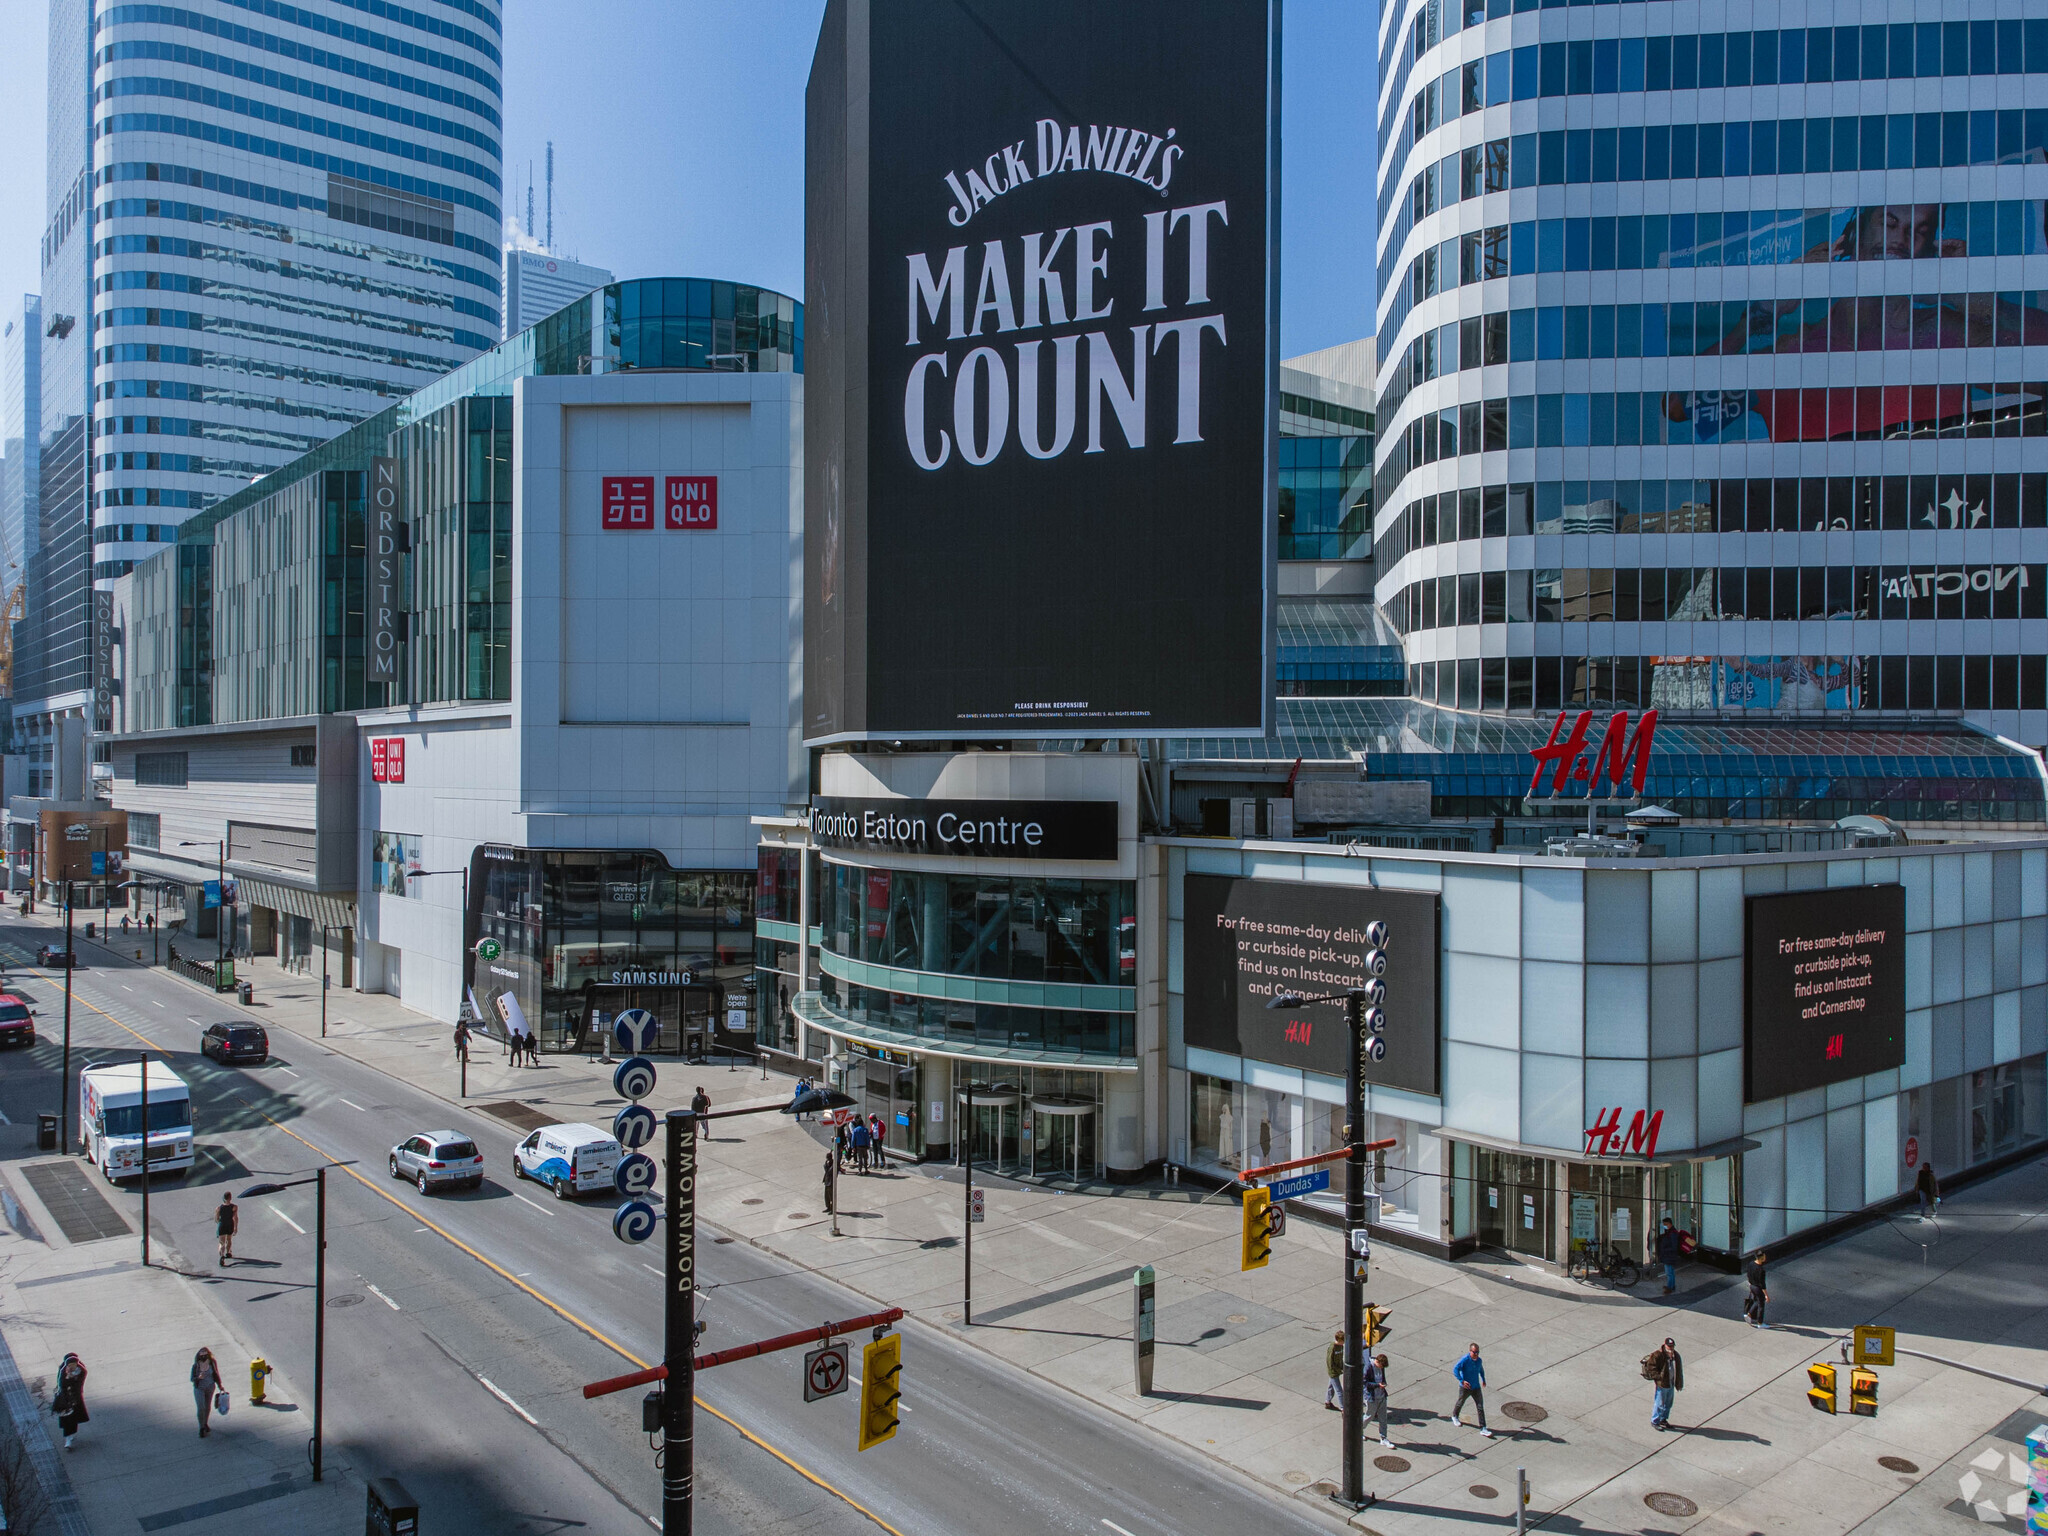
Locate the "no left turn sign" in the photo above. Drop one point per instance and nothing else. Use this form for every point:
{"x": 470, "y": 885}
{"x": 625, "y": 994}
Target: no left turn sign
{"x": 824, "y": 1372}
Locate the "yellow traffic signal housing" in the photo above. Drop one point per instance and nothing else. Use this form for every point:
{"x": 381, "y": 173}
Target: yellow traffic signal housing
{"x": 1863, "y": 1393}
{"x": 1376, "y": 1324}
{"x": 881, "y": 1372}
{"x": 1258, "y": 1230}
{"x": 1822, "y": 1393}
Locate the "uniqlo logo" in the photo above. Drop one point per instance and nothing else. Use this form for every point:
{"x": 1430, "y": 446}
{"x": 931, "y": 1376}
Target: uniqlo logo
{"x": 692, "y": 501}
{"x": 394, "y": 760}
{"x": 629, "y": 501}
{"x": 380, "y": 767}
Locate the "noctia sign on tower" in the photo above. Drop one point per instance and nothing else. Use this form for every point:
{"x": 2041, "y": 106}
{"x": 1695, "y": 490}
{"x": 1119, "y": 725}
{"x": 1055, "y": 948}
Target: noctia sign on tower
{"x": 1040, "y": 362}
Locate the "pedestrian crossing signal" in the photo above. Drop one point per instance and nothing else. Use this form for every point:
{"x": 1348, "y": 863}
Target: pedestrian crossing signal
{"x": 1258, "y": 1230}
{"x": 1822, "y": 1393}
{"x": 881, "y": 1369}
{"x": 1863, "y": 1393}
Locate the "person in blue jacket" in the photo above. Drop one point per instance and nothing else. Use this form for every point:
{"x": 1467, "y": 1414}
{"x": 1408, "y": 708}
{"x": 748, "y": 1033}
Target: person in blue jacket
{"x": 1471, "y": 1373}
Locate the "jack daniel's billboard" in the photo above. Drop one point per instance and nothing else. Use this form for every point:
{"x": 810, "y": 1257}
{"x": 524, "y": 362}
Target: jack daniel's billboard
{"x": 1039, "y": 414}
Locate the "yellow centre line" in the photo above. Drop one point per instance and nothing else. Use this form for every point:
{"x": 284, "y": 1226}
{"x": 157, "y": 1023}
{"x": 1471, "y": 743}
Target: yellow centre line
{"x": 547, "y": 1301}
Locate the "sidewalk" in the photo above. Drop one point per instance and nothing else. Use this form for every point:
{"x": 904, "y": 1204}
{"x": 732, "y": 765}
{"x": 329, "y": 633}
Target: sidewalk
{"x": 1239, "y": 1372}
{"x": 139, "y": 1462}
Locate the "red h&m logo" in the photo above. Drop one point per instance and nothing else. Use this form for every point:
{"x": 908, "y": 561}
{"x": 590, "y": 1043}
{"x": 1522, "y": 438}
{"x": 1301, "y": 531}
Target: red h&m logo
{"x": 1834, "y": 1052}
{"x": 1605, "y": 1138}
{"x": 1623, "y": 757}
{"x": 692, "y": 502}
{"x": 629, "y": 501}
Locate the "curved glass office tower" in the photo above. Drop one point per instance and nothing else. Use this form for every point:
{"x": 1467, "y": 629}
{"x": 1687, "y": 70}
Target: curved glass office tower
{"x": 1713, "y": 360}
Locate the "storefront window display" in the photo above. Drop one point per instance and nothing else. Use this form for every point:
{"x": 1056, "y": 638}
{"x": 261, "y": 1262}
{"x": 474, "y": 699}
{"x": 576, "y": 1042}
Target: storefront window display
{"x": 586, "y": 933}
{"x": 994, "y": 1027}
{"x": 1019, "y": 929}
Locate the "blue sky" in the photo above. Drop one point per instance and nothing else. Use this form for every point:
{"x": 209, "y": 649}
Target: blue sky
{"x": 678, "y": 133}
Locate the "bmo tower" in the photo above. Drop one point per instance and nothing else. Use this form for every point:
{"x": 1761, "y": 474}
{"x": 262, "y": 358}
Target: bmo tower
{"x": 1712, "y": 360}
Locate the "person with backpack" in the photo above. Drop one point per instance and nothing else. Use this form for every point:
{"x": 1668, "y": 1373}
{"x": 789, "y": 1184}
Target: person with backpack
{"x": 69, "y": 1403}
{"x": 1759, "y": 1297}
{"x": 1471, "y": 1374}
{"x": 1333, "y": 1367}
{"x": 860, "y": 1145}
{"x": 1665, "y": 1370}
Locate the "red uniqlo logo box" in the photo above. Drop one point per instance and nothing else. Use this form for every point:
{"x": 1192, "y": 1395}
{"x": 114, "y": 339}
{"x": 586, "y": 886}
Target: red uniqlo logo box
{"x": 629, "y": 501}
{"x": 692, "y": 501}
{"x": 387, "y": 759}
{"x": 379, "y": 765}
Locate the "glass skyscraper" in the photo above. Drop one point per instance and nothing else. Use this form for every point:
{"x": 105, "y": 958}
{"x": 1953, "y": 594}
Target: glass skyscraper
{"x": 1714, "y": 362}
{"x": 294, "y": 223}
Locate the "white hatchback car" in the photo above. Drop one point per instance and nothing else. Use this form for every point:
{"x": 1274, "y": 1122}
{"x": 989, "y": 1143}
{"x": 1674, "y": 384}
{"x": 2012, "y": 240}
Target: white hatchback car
{"x": 434, "y": 1159}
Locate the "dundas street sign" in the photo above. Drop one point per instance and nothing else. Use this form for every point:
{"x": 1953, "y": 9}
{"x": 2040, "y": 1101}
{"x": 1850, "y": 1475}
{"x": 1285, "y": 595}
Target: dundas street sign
{"x": 1623, "y": 758}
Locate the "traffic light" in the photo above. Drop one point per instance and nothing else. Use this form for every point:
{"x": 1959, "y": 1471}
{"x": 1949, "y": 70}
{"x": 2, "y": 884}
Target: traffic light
{"x": 1822, "y": 1393}
{"x": 1376, "y": 1324}
{"x": 1258, "y": 1230}
{"x": 1379, "y": 1166}
{"x": 1863, "y": 1392}
{"x": 881, "y": 1369}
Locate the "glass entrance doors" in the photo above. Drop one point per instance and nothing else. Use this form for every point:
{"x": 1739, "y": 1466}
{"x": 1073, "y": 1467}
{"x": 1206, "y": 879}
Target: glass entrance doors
{"x": 686, "y": 1015}
{"x": 1516, "y": 1205}
{"x": 1063, "y": 1138}
{"x": 992, "y": 1123}
{"x": 890, "y": 1091}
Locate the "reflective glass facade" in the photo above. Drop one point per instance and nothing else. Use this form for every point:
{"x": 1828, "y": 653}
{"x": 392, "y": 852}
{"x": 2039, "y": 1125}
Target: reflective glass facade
{"x": 1673, "y": 409}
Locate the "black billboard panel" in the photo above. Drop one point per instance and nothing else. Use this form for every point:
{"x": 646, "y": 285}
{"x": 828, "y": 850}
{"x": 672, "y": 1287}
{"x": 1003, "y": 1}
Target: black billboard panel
{"x": 1249, "y": 939}
{"x": 1824, "y": 988}
{"x": 1039, "y": 426}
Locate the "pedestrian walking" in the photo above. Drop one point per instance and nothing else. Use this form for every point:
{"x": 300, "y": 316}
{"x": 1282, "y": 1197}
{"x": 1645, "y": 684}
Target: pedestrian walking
{"x": 876, "y": 1140}
{"x": 860, "y": 1145}
{"x": 1928, "y": 1187}
{"x": 1471, "y": 1373}
{"x": 1670, "y": 1250}
{"x": 1333, "y": 1367}
{"x": 1376, "y": 1395}
{"x": 461, "y": 1040}
{"x": 206, "y": 1384}
{"x": 700, "y": 1106}
{"x": 1666, "y": 1372}
{"x": 69, "y": 1403}
{"x": 124, "y": 925}
{"x": 831, "y": 1184}
{"x": 803, "y": 1086}
{"x": 227, "y": 1218}
{"x": 1759, "y": 1297}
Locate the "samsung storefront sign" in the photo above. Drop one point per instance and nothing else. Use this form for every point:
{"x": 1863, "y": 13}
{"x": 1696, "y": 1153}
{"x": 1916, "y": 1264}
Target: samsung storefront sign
{"x": 1040, "y": 415}
{"x": 987, "y": 829}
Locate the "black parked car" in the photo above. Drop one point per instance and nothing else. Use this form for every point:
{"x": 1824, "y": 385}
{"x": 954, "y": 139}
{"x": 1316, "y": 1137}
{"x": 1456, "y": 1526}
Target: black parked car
{"x": 56, "y": 959}
{"x": 236, "y": 1042}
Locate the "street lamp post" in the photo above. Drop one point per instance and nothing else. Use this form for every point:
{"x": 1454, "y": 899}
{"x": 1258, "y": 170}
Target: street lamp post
{"x": 319, "y": 1182}
{"x": 64, "y": 1089}
{"x": 221, "y": 884}
{"x": 462, "y": 941}
{"x": 1368, "y": 1023}
{"x": 325, "y": 930}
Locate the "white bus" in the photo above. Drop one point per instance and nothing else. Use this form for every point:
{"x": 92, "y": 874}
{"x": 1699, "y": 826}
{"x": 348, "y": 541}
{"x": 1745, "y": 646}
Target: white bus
{"x": 110, "y": 1119}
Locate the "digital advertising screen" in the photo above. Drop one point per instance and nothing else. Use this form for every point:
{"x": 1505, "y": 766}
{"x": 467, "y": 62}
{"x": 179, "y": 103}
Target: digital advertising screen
{"x": 1040, "y": 411}
{"x": 1250, "y": 939}
{"x": 1825, "y": 988}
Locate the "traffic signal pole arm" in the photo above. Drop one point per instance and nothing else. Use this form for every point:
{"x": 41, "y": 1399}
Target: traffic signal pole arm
{"x": 1337, "y": 1156}
{"x": 816, "y": 1335}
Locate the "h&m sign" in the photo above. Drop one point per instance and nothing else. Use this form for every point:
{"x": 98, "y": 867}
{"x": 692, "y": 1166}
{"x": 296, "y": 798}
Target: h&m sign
{"x": 1606, "y": 1138}
{"x": 1621, "y": 759}
{"x": 689, "y": 503}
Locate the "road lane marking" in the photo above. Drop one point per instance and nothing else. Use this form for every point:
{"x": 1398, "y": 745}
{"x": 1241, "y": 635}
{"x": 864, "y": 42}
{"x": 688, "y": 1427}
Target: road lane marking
{"x": 650, "y": 1269}
{"x": 1120, "y": 1531}
{"x": 355, "y": 1106}
{"x": 126, "y": 988}
{"x": 287, "y": 1071}
{"x": 523, "y": 1200}
{"x": 394, "y": 1306}
{"x": 504, "y": 1397}
{"x": 423, "y": 1229}
{"x": 542, "y": 1297}
{"x": 280, "y": 1215}
{"x": 152, "y": 1003}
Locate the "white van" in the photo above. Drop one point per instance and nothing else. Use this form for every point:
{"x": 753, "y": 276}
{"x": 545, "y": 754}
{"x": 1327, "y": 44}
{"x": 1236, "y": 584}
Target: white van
{"x": 571, "y": 1159}
{"x": 110, "y": 1119}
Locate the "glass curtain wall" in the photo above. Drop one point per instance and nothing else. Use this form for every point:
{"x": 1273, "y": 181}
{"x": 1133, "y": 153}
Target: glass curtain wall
{"x": 982, "y": 925}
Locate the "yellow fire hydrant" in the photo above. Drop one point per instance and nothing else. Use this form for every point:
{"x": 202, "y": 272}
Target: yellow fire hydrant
{"x": 259, "y": 1373}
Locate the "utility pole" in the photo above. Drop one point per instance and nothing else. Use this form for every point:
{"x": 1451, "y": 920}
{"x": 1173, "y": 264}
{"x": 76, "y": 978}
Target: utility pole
{"x": 142, "y": 1070}
{"x": 679, "y": 1335}
{"x": 967, "y": 1242}
{"x": 64, "y": 1089}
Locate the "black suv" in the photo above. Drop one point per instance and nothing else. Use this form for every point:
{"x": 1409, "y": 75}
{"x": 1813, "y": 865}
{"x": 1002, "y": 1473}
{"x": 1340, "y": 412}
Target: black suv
{"x": 236, "y": 1042}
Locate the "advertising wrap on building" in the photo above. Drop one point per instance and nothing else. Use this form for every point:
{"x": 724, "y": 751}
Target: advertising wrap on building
{"x": 1826, "y": 988}
{"x": 382, "y": 624}
{"x": 988, "y": 829}
{"x": 1040, "y": 433}
{"x": 1249, "y": 939}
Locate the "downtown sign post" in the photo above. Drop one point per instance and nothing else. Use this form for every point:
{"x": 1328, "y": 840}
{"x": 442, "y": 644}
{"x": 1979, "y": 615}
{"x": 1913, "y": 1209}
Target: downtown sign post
{"x": 1040, "y": 420}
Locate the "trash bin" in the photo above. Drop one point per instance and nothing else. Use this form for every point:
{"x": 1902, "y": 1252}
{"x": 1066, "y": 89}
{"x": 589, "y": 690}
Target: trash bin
{"x": 248, "y": 991}
{"x": 392, "y": 1511}
{"x": 89, "y": 927}
{"x": 46, "y": 1132}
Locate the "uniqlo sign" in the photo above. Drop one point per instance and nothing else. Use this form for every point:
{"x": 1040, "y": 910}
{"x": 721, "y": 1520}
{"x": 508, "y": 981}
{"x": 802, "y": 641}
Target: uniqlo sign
{"x": 387, "y": 759}
{"x": 629, "y": 501}
{"x": 692, "y": 502}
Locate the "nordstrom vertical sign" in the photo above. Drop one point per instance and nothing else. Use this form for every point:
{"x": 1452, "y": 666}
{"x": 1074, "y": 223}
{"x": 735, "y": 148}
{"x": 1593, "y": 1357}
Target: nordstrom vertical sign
{"x": 382, "y": 628}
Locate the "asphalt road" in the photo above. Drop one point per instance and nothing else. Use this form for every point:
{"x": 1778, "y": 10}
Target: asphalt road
{"x": 462, "y": 1326}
